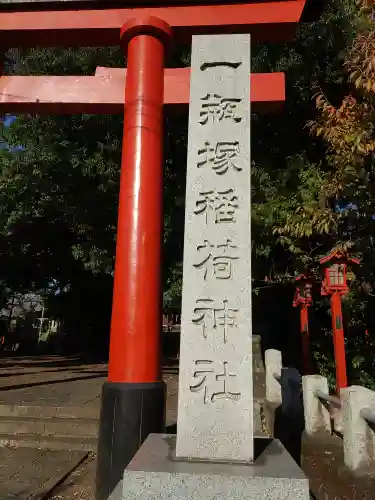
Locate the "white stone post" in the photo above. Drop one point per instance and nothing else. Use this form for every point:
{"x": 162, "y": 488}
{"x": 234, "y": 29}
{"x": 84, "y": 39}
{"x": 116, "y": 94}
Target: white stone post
{"x": 273, "y": 362}
{"x": 359, "y": 436}
{"x": 317, "y": 417}
{"x": 215, "y": 407}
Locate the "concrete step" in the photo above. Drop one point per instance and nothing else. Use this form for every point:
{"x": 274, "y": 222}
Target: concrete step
{"x": 44, "y": 426}
{"x": 49, "y": 427}
{"x": 49, "y": 411}
{"x": 48, "y": 442}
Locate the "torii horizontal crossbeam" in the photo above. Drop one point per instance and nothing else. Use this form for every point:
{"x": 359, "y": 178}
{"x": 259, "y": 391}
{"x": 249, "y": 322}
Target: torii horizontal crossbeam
{"x": 273, "y": 20}
{"x": 104, "y": 93}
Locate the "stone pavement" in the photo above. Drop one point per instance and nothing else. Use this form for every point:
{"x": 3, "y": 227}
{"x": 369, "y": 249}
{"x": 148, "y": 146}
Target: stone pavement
{"x": 38, "y": 385}
{"x": 62, "y": 382}
{"x": 50, "y": 380}
{"x": 80, "y": 485}
{"x": 30, "y": 474}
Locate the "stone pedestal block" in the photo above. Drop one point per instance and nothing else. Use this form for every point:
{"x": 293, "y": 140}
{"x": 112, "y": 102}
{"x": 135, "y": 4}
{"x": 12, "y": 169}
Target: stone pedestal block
{"x": 154, "y": 474}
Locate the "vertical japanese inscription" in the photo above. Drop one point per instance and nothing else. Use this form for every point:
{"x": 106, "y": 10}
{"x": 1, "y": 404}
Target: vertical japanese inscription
{"x": 215, "y": 355}
{"x": 216, "y": 260}
{"x": 220, "y": 157}
{"x": 215, "y": 108}
{"x": 218, "y": 206}
{"x": 215, "y": 318}
{"x": 214, "y": 385}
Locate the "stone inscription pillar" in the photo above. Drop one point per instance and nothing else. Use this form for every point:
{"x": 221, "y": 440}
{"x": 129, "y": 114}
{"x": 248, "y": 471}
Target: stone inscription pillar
{"x": 215, "y": 410}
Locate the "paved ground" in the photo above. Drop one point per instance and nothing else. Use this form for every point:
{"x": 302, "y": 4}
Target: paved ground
{"x": 80, "y": 485}
{"x": 56, "y": 381}
{"x": 59, "y": 381}
{"x": 51, "y": 380}
{"x": 323, "y": 462}
{"x": 29, "y": 474}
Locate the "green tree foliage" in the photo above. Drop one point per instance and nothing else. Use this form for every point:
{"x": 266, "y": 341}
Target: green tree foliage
{"x": 286, "y": 176}
{"x": 58, "y": 196}
{"x": 325, "y": 196}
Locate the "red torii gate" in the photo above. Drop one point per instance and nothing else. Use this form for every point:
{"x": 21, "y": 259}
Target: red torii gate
{"x": 104, "y": 92}
{"x": 133, "y": 399}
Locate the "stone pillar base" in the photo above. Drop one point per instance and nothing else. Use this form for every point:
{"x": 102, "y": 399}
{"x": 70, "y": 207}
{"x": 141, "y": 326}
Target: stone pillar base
{"x": 129, "y": 413}
{"x": 154, "y": 474}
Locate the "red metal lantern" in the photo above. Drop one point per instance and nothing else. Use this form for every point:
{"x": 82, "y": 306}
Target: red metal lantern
{"x": 335, "y": 272}
{"x": 303, "y": 299}
{"x": 303, "y": 295}
{"x": 335, "y": 285}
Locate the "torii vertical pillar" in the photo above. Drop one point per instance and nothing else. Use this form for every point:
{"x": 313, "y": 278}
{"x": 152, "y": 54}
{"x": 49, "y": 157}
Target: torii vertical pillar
{"x": 133, "y": 399}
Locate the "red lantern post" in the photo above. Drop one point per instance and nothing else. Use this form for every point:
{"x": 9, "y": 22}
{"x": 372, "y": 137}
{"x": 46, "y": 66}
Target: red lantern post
{"x": 303, "y": 300}
{"x": 335, "y": 284}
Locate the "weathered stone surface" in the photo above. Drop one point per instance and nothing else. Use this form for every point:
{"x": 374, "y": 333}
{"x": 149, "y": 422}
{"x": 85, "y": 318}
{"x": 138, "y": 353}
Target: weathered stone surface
{"x": 317, "y": 417}
{"x": 215, "y": 412}
{"x": 274, "y": 364}
{"x": 153, "y": 475}
{"x": 359, "y": 435}
{"x": 29, "y": 474}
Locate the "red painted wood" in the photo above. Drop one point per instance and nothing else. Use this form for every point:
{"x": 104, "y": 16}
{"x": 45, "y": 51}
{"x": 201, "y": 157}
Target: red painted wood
{"x": 104, "y": 93}
{"x": 338, "y": 342}
{"x": 306, "y": 358}
{"x": 17, "y": 5}
{"x": 265, "y": 20}
{"x": 264, "y": 87}
{"x": 134, "y": 355}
